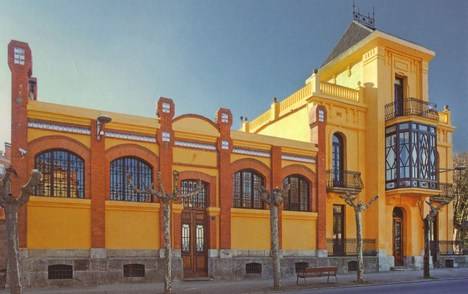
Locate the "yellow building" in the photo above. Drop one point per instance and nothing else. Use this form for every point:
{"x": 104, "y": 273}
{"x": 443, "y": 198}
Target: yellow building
{"x": 352, "y": 120}
{"x": 380, "y": 125}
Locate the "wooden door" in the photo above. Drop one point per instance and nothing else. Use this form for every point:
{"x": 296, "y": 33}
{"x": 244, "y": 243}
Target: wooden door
{"x": 194, "y": 232}
{"x": 398, "y": 236}
{"x": 194, "y": 245}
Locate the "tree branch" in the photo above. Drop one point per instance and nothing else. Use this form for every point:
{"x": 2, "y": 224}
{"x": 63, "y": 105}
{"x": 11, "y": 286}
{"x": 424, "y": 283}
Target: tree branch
{"x": 348, "y": 199}
{"x": 195, "y": 192}
{"x": 27, "y": 189}
{"x": 161, "y": 186}
{"x": 264, "y": 194}
{"x": 372, "y": 200}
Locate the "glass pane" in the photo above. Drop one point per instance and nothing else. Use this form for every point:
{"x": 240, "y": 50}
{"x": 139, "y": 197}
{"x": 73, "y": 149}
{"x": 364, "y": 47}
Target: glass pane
{"x": 185, "y": 237}
{"x": 62, "y": 174}
{"x": 141, "y": 175}
{"x": 200, "y": 235}
{"x": 198, "y": 200}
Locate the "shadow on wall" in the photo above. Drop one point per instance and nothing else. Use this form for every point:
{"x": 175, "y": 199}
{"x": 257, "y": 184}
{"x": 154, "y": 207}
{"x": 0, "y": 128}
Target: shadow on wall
{"x": 3, "y": 254}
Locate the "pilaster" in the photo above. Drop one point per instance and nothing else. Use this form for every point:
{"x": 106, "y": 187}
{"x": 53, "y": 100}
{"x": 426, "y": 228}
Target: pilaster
{"x": 20, "y": 64}
{"x": 318, "y": 120}
{"x": 165, "y": 139}
{"x": 98, "y": 189}
{"x": 224, "y": 146}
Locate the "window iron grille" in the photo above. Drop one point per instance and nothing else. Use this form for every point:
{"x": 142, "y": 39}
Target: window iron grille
{"x": 301, "y": 266}
{"x": 246, "y": 185}
{"x": 298, "y": 194}
{"x": 197, "y": 201}
{"x": 60, "y": 272}
{"x": 253, "y": 268}
{"x": 134, "y": 270}
{"x": 62, "y": 174}
{"x": 141, "y": 174}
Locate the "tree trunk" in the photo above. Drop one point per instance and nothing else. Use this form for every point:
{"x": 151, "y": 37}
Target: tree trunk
{"x": 167, "y": 247}
{"x": 427, "y": 225}
{"x": 275, "y": 246}
{"x": 14, "y": 277}
{"x": 360, "y": 260}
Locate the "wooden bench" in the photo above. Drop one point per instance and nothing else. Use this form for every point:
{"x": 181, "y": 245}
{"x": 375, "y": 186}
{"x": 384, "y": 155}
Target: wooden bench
{"x": 311, "y": 272}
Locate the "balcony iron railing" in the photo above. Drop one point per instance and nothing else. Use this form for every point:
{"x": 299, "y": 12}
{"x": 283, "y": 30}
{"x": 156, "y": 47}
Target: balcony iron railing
{"x": 347, "y": 247}
{"x": 448, "y": 247}
{"x": 346, "y": 180}
{"x": 411, "y": 106}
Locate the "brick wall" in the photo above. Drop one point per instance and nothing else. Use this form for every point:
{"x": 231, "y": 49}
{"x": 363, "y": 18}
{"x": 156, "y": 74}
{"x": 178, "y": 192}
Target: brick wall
{"x": 3, "y": 254}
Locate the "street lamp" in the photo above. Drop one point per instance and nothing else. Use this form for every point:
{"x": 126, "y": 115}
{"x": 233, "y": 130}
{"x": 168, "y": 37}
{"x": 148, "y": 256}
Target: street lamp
{"x": 100, "y": 122}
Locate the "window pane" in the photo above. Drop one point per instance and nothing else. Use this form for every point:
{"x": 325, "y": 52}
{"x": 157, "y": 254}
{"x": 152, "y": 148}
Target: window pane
{"x": 141, "y": 175}
{"x": 62, "y": 174}
{"x": 246, "y": 183}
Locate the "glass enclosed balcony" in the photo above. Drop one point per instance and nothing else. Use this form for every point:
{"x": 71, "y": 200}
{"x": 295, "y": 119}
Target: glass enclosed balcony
{"x": 411, "y": 156}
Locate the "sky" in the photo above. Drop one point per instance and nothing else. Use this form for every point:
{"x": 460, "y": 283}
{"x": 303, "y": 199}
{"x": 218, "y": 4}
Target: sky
{"x": 121, "y": 56}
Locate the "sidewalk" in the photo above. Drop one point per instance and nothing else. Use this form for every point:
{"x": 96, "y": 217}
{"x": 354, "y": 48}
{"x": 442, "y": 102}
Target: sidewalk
{"x": 260, "y": 286}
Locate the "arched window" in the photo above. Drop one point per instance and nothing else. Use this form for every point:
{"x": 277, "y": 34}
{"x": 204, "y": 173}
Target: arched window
{"x": 246, "y": 183}
{"x": 141, "y": 174}
{"x": 337, "y": 160}
{"x": 298, "y": 194}
{"x": 198, "y": 201}
{"x": 62, "y": 174}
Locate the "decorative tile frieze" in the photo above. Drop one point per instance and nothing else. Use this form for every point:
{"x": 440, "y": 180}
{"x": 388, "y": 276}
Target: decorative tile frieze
{"x": 132, "y": 137}
{"x": 225, "y": 144}
{"x": 298, "y": 158}
{"x": 195, "y": 145}
{"x": 251, "y": 152}
{"x": 58, "y": 127}
{"x": 166, "y": 137}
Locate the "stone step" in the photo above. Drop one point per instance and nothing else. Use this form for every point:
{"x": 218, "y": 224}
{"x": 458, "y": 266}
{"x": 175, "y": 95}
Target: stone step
{"x": 191, "y": 279}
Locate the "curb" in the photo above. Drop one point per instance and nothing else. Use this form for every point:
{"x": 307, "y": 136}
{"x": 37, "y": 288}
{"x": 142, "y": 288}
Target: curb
{"x": 435, "y": 279}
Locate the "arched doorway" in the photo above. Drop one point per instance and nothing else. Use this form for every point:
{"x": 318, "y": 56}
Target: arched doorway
{"x": 195, "y": 230}
{"x": 398, "y": 239}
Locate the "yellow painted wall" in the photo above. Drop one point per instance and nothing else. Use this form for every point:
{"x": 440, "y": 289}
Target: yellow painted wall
{"x": 291, "y": 126}
{"x": 112, "y": 142}
{"x": 132, "y": 225}
{"x": 250, "y": 229}
{"x": 235, "y": 157}
{"x": 194, "y": 157}
{"x": 349, "y": 77}
{"x": 311, "y": 166}
{"x": 37, "y": 133}
{"x": 299, "y": 230}
{"x": 59, "y": 223}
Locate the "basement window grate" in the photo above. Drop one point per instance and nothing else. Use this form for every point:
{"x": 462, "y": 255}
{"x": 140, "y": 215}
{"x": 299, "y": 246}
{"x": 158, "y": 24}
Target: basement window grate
{"x": 301, "y": 266}
{"x": 60, "y": 272}
{"x": 352, "y": 266}
{"x": 253, "y": 268}
{"x": 134, "y": 270}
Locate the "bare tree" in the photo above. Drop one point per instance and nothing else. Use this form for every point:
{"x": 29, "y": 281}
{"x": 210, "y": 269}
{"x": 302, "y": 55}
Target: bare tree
{"x": 435, "y": 205}
{"x": 460, "y": 186}
{"x": 11, "y": 204}
{"x": 358, "y": 206}
{"x": 166, "y": 200}
{"x": 274, "y": 199}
